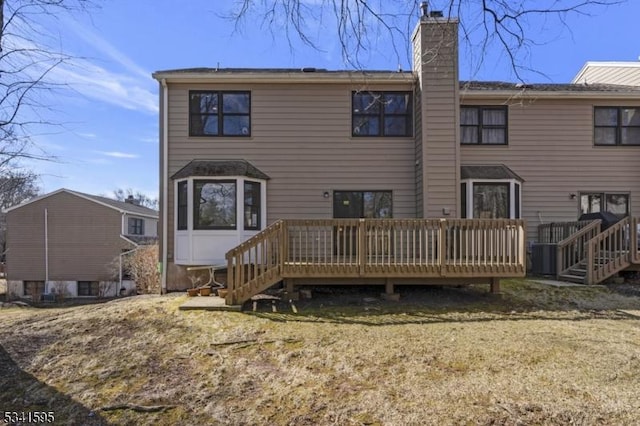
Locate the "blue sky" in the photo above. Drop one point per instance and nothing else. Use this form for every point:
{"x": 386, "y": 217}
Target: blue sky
{"x": 108, "y": 137}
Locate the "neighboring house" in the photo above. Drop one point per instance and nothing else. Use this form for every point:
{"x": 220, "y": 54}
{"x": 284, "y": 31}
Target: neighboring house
{"x": 244, "y": 148}
{"x": 70, "y": 242}
{"x": 621, "y": 73}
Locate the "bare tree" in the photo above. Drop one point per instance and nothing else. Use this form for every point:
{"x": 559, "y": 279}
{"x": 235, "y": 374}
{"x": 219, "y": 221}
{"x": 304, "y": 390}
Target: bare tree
{"x": 16, "y": 186}
{"x": 510, "y": 27}
{"x": 136, "y": 197}
{"x": 27, "y": 57}
{"x": 142, "y": 265}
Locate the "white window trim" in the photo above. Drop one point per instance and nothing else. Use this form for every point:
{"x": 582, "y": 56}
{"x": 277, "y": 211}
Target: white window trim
{"x": 512, "y": 195}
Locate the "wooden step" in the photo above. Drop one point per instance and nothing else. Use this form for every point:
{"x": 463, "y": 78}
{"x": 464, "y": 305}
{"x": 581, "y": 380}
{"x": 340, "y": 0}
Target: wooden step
{"x": 578, "y": 271}
{"x": 572, "y": 278}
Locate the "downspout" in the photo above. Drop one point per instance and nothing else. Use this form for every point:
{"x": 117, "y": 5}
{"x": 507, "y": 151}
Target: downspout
{"x": 46, "y": 248}
{"x": 165, "y": 181}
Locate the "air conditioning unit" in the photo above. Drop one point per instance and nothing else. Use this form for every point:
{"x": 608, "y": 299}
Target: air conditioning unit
{"x": 543, "y": 259}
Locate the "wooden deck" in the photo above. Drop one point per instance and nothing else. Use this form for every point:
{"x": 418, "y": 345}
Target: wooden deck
{"x": 445, "y": 251}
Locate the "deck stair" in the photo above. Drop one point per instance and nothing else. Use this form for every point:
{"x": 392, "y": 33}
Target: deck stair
{"x": 590, "y": 256}
{"x": 381, "y": 250}
{"x": 575, "y": 274}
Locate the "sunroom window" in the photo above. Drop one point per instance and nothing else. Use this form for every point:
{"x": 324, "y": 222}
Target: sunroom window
{"x": 217, "y": 205}
{"x": 214, "y": 204}
{"x": 490, "y": 192}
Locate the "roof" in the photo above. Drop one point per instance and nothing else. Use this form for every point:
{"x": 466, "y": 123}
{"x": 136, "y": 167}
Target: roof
{"x": 120, "y": 206}
{"x": 546, "y": 87}
{"x": 141, "y": 240}
{"x": 489, "y": 172}
{"x": 624, "y": 73}
{"x": 220, "y": 168}
{"x": 283, "y": 75}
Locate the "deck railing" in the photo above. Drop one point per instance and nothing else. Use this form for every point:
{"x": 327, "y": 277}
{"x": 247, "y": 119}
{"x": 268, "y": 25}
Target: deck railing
{"x": 635, "y": 247}
{"x": 611, "y": 251}
{"x": 256, "y": 263}
{"x": 554, "y": 232}
{"x": 572, "y": 251}
{"x": 331, "y": 248}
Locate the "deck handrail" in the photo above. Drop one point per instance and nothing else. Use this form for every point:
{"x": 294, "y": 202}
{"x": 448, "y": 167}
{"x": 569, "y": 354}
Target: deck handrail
{"x": 572, "y": 251}
{"x": 255, "y": 262}
{"x": 609, "y": 251}
{"x": 554, "y": 232}
{"x": 374, "y": 248}
{"x": 635, "y": 247}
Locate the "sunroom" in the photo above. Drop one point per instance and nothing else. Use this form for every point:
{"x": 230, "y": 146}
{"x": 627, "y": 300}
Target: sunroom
{"x": 217, "y": 205}
{"x": 490, "y": 192}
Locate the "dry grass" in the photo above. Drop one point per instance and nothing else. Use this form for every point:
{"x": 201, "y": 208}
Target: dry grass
{"x": 537, "y": 355}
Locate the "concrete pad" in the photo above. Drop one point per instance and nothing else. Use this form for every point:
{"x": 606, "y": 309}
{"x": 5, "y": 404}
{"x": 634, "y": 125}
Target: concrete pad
{"x": 208, "y": 303}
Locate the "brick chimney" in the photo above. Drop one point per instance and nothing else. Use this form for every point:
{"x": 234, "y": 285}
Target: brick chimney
{"x": 130, "y": 200}
{"x": 435, "y": 62}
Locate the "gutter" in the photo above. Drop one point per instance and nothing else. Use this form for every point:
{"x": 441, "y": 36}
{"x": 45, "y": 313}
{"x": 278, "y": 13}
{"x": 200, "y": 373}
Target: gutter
{"x": 165, "y": 182}
{"x": 532, "y": 94}
{"x": 390, "y": 77}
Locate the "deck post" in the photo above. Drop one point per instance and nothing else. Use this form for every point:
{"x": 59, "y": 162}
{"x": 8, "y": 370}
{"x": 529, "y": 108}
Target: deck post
{"x": 495, "y": 285}
{"x": 388, "y": 286}
{"x": 362, "y": 242}
{"x": 442, "y": 250}
{"x": 284, "y": 246}
{"x": 389, "y": 293}
{"x": 231, "y": 284}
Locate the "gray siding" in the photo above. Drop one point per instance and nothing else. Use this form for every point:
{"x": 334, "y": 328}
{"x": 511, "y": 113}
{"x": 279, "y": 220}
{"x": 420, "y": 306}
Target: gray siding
{"x": 301, "y": 138}
{"x": 551, "y": 148}
{"x": 83, "y": 238}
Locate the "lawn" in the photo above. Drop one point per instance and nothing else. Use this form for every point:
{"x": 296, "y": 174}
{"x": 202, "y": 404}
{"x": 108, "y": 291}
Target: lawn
{"x": 534, "y": 355}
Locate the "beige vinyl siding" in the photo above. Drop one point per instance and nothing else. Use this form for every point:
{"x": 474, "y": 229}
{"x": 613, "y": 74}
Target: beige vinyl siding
{"x": 438, "y": 75}
{"x": 301, "y": 138}
{"x": 551, "y": 148}
{"x": 610, "y": 74}
{"x": 84, "y": 237}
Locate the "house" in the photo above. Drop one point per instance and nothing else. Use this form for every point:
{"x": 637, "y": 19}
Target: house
{"x": 269, "y": 170}
{"x": 68, "y": 242}
{"x": 621, "y": 73}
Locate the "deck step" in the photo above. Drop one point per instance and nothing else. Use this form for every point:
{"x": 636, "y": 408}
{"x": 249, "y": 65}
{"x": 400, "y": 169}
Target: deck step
{"x": 578, "y": 271}
{"x": 572, "y": 278}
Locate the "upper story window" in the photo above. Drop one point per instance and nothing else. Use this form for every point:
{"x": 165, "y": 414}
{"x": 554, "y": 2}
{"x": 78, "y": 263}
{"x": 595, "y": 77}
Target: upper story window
{"x": 136, "y": 226}
{"x": 382, "y": 114}
{"x": 217, "y": 113}
{"x": 483, "y": 125}
{"x": 616, "y": 126}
